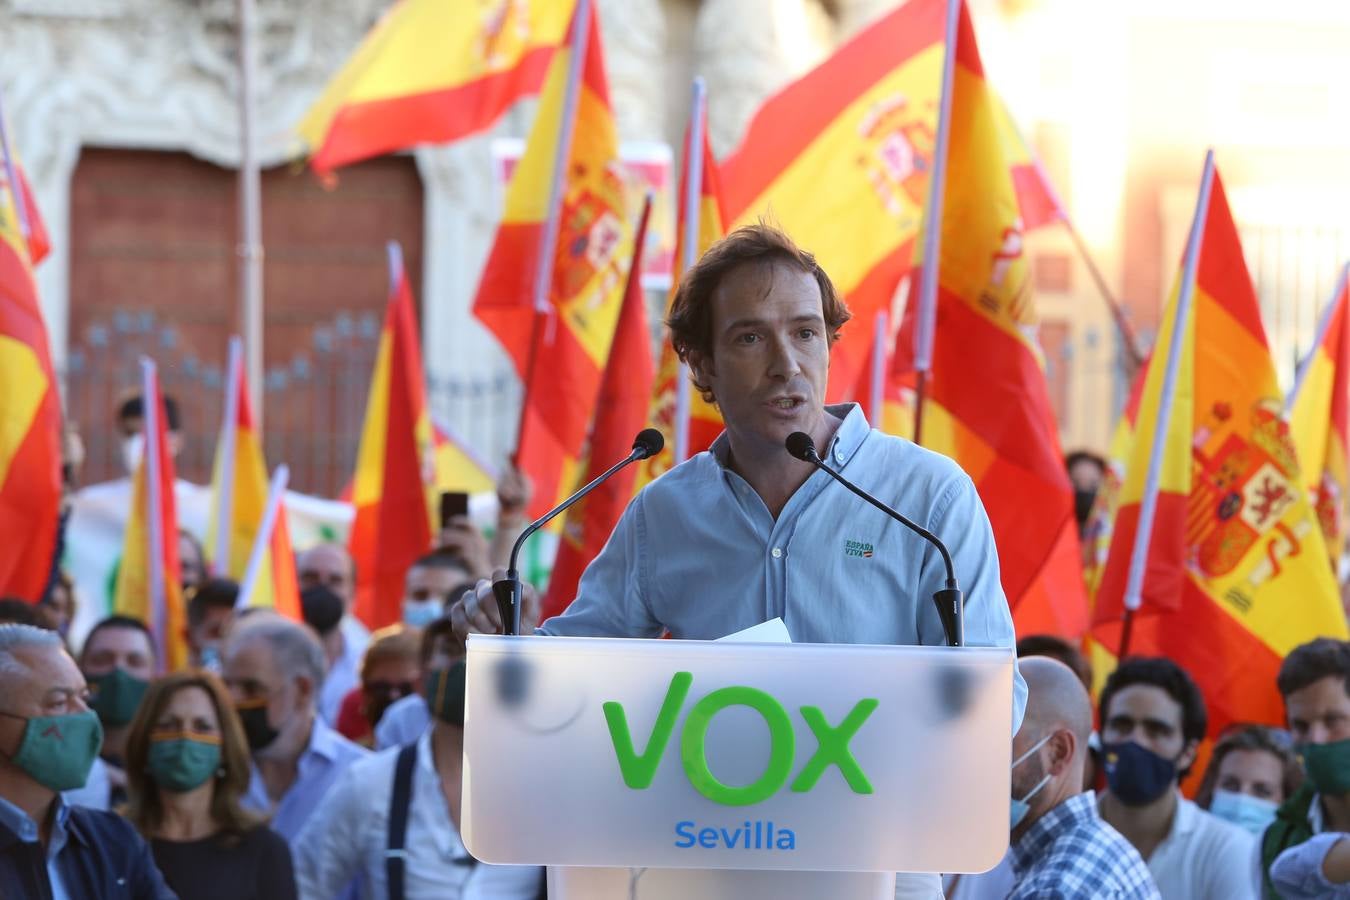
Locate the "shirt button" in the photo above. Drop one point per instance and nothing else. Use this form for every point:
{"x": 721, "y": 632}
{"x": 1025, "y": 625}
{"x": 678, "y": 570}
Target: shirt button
{"x": 839, "y": 456}
{"x": 777, "y": 552}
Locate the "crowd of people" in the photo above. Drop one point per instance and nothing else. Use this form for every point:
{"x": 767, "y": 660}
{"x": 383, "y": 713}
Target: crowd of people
{"x": 313, "y": 759}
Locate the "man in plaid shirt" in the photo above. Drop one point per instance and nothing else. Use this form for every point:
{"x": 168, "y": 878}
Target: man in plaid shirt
{"x": 1061, "y": 849}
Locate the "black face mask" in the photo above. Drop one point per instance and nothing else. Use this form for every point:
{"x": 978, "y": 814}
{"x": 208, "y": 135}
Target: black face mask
{"x": 257, "y": 730}
{"x": 1082, "y": 506}
{"x": 443, "y": 690}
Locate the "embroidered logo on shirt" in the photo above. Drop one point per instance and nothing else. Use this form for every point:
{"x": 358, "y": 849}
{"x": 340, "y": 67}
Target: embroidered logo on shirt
{"x": 857, "y": 548}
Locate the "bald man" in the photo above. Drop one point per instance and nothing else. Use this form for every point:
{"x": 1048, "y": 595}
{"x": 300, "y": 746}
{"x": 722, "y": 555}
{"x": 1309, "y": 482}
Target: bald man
{"x": 1060, "y": 847}
{"x": 331, "y": 566}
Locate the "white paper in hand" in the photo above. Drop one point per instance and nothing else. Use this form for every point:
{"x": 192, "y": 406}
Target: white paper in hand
{"x": 770, "y": 632}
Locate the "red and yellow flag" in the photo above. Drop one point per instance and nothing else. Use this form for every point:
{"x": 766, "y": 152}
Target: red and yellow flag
{"x": 1235, "y": 573}
{"x": 1319, "y": 420}
{"x": 704, "y": 422}
{"x": 559, "y": 349}
{"x": 433, "y": 72}
{"x": 987, "y": 405}
{"x": 620, "y": 412}
{"x": 393, "y": 523}
{"x": 149, "y": 580}
{"x": 840, "y": 160}
{"x": 457, "y": 467}
{"x": 30, "y": 409}
{"x": 239, "y": 498}
{"x": 1036, "y": 198}
{"x": 39, "y": 243}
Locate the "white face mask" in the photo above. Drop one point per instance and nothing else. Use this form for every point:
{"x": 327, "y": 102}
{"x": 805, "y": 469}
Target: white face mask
{"x": 1019, "y": 809}
{"x": 133, "y": 448}
{"x": 421, "y": 613}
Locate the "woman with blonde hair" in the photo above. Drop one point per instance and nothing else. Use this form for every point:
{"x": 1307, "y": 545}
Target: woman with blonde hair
{"x": 187, "y": 767}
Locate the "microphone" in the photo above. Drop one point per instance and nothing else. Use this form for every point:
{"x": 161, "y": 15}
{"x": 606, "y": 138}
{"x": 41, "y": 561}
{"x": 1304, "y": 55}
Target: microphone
{"x": 508, "y": 591}
{"x": 949, "y": 601}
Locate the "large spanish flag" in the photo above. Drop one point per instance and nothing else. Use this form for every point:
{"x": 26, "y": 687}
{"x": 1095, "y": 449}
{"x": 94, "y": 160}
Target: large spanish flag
{"x": 701, "y": 422}
{"x": 840, "y": 160}
{"x": 149, "y": 580}
{"x": 30, "y": 409}
{"x": 1319, "y": 419}
{"x": 432, "y": 71}
{"x": 620, "y": 412}
{"x": 390, "y": 490}
{"x": 239, "y": 499}
{"x": 560, "y": 346}
{"x": 1214, "y": 540}
{"x": 987, "y": 404}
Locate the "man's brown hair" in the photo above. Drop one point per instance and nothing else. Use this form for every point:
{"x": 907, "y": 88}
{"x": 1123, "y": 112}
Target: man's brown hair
{"x": 691, "y": 312}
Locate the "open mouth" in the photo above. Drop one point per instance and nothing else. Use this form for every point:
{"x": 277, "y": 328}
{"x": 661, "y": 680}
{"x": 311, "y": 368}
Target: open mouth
{"x": 787, "y": 404}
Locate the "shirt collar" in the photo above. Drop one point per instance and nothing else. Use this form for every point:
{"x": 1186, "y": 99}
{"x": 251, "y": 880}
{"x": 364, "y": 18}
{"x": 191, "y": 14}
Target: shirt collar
{"x": 22, "y": 826}
{"x": 1078, "y": 810}
{"x": 846, "y": 441}
{"x": 323, "y": 742}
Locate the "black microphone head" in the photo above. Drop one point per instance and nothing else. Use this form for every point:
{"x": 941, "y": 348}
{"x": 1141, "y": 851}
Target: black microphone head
{"x": 800, "y": 445}
{"x": 649, "y": 441}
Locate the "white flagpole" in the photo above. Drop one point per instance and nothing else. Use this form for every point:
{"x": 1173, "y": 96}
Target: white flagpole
{"x": 250, "y": 210}
{"x": 1322, "y": 326}
{"x": 1148, "y": 505}
{"x": 275, "y": 494}
{"x": 693, "y": 193}
{"x": 228, "y": 453}
{"x": 155, "y": 537}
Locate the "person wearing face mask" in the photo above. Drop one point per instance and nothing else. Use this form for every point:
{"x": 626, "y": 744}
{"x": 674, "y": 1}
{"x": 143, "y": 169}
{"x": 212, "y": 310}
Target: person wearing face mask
{"x": 274, "y": 668}
{"x": 427, "y": 586}
{"x": 408, "y": 799}
{"x": 1305, "y": 851}
{"x": 210, "y": 614}
{"x": 1153, "y": 719}
{"x": 187, "y": 763}
{"x": 1252, "y": 770}
{"x": 390, "y": 671}
{"x": 49, "y": 739}
{"x": 118, "y": 661}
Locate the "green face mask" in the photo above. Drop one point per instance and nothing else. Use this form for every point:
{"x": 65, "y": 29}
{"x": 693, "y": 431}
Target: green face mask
{"x": 444, "y": 693}
{"x": 1328, "y": 766}
{"x": 115, "y": 697}
{"x": 180, "y": 761}
{"x": 58, "y": 751}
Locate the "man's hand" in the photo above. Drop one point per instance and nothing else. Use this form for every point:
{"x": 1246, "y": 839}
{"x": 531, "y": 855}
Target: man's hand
{"x": 462, "y": 538}
{"x": 476, "y": 612}
{"x": 514, "y": 491}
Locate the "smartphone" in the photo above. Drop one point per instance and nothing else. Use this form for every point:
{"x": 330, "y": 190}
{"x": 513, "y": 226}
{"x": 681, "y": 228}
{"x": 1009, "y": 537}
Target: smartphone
{"x": 453, "y": 503}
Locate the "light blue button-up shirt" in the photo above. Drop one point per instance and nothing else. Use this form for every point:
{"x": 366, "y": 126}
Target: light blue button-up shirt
{"x": 22, "y": 824}
{"x": 318, "y": 768}
{"x": 699, "y": 554}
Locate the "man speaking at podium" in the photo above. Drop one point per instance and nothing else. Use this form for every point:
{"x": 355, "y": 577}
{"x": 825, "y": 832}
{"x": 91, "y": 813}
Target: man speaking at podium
{"x": 745, "y": 532}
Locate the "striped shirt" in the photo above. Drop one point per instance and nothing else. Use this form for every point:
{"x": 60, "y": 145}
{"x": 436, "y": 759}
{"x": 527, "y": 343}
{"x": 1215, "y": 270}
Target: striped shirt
{"x": 1071, "y": 853}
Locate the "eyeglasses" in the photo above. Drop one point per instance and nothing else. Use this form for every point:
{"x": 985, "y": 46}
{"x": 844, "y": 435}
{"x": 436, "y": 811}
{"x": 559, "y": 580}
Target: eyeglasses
{"x": 395, "y": 689}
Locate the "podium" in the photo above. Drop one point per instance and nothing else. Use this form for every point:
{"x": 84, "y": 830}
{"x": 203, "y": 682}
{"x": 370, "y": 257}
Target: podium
{"x": 649, "y": 769}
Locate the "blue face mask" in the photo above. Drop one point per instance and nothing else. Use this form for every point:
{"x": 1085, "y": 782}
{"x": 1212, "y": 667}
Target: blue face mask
{"x": 1136, "y": 775}
{"x": 1244, "y": 810}
{"x": 1019, "y": 809}
{"x": 421, "y": 613}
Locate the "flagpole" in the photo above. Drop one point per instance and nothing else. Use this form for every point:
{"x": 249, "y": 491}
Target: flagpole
{"x": 1127, "y": 335}
{"x": 154, "y": 522}
{"x": 12, "y": 176}
{"x": 1323, "y": 323}
{"x": 229, "y": 437}
{"x": 932, "y": 231}
{"x": 693, "y": 194}
{"x": 878, "y": 386}
{"x": 543, "y": 276}
{"x": 1148, "y": 504}
{"x": 275, "y": 493}
{"x": 250, "y": 248}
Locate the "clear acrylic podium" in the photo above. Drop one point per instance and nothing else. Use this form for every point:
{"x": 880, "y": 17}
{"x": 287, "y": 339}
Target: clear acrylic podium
{"x": 717, "y": 769}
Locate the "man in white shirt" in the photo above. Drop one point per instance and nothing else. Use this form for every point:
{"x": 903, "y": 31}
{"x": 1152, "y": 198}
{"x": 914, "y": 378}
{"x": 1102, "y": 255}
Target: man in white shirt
{"x": 354, "y": 834}
{"x": 1153, "y": 719}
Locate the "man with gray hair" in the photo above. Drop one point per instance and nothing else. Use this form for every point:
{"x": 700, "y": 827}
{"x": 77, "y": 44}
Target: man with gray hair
{"x": 274, "y": 667}
{"x": 49, "y": 738}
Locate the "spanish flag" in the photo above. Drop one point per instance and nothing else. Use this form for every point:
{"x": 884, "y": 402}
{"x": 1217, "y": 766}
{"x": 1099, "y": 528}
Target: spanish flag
{"x": 1036, "y": 197}
{"x": 1215, "y": 546}
{"x": 457, "y": 467}
{"x": 840, "y": 160}
{"x": 149, "y": 581}
{"x": 432, "y": 71}
{"x": 560, "y": 348}
{"x": 987, "y": 405}
{"x": 1319, "y": 419}
{"x": 696, "y": 418}
{"x": 239, "y": 499}
{"x": 390, "y": 490}
{"x": 39, "y": 244}
{"x": 620, "y": 412}
{"x": 30, "y": 409}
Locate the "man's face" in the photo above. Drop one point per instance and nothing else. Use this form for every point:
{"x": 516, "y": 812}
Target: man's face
{"x": 251, "y": 673}
{"x": 329, "y": 565}
{"x": 112, "y": 648}
{"x": 1085, "y": 475}
{"x": 425, "y": 583}
{"x": 51, "y": 686}
{"x": 770, "y": 354}
{"x": 387, "y": 681}
{"x": 1148, "y": 716}
{"x": 1320, "y": 712}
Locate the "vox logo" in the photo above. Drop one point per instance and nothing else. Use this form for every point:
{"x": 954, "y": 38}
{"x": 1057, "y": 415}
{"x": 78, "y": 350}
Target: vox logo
{"x": 832, "y": 743}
